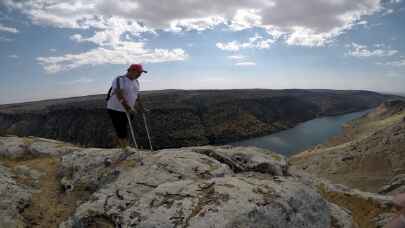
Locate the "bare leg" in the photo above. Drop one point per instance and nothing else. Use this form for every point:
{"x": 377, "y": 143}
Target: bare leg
{"x": 123, "y": 142}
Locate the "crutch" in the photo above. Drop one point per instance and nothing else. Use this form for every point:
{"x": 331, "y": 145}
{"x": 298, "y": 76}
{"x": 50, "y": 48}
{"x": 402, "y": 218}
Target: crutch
{"x": 147, "y": 130}
{"x": 133, "y": 137}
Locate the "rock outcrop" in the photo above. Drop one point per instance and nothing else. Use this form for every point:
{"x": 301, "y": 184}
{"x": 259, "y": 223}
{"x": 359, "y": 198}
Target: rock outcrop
{"x": 184, "y": 118}
{"x": 209, "y": 186}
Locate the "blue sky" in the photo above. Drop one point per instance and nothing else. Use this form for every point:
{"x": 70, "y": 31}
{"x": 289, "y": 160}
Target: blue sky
{"x": 53, "y": 49}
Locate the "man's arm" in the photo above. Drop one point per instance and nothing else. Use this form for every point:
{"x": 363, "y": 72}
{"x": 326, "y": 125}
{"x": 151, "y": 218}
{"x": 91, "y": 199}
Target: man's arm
{"x": 139, "y": 104}
{"x": 119, "y": 92}
{"x": 122, "y": 100}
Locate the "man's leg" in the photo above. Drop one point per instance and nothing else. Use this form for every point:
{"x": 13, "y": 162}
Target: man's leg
{"x": 120, "y": 123}
{"x": 122, "y": 142}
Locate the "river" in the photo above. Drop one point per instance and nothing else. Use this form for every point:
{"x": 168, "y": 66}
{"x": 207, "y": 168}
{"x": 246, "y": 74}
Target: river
{"x": 304, "y": 135}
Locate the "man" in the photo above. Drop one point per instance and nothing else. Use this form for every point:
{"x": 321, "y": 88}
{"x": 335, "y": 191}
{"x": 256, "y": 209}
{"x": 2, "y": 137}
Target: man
{"x": 125, "y": 98}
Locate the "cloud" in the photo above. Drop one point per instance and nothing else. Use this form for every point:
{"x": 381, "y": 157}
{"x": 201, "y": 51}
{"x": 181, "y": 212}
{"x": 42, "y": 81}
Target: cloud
{"x": 309, "y": 22}
{"x": 237, "y": 57}
{"x": 13, "y": 56}
{"x": 118, "y": 26}
{"x": 7, "y": 29}
{"x": 195, "y": 24}
{"x": 115, "y": 46}
{"x": 245, "y": 18}
{"x": 113, "y": 32}
{"x": 78, "y": 81}
{"x": 308, "y": 37}
{"x": 398, "y": 63}
{"x": 4, "y": 39}
{"x": 124, "y": 53}
{"x": 256, "y": 41}
{"x": 362, "y": 51}
{"x": 246, "y": 64}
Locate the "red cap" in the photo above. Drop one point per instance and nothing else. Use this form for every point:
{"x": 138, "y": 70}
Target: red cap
{"x": 137, "y": 67}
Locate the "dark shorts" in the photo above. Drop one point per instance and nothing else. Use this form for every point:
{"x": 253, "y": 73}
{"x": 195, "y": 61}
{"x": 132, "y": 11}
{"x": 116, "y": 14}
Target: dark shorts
{"x": 120, "y": 123}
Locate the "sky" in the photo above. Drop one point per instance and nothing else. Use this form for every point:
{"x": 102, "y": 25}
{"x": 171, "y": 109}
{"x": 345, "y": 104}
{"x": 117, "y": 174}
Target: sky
{"x": 55, "y": 49}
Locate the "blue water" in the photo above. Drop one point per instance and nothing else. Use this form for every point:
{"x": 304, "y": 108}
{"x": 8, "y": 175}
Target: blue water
{"x": 303, "y": 136}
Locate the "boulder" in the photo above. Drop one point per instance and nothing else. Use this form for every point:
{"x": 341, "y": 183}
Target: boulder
{"x": 205, "y": 187}
{"x": 217, "y": 202}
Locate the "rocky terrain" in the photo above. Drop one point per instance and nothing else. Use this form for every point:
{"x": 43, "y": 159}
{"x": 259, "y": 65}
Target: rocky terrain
{"x": 47, "y": 183}
{"x": 183, "y": 118}
{"x": 369, "y": 156}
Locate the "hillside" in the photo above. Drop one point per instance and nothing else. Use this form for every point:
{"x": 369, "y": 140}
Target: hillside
{"x": 368, "y": 156}
{"x": 46, "y": 183}
{"x": 184, "y": 118}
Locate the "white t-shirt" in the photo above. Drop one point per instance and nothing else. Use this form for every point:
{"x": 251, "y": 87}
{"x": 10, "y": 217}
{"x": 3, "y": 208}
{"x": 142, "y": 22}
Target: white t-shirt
{"x": 130, "y": 91}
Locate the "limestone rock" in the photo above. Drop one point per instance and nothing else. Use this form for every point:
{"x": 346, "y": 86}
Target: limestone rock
{"x": 17, "y": 147}
{"x": 341, "y": 217}
{"x": 13, "y": 198}
{"x": 89, "y": 169}
{"x": 244, "y": 159}
{"x": 395, "y": 186}
{"x": 12, "y": 147}
{"x": 218, "y": 202}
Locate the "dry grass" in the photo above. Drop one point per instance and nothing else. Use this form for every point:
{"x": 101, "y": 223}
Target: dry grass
{"x": 50, "y": 206}
{"x": 363, "y": 210}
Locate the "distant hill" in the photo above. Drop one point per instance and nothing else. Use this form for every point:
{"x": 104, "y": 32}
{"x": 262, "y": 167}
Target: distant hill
{"x": 184, "y": 117}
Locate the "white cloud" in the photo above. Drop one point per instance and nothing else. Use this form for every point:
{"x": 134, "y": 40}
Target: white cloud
{"x": 392, "y": 74}
{"x": 245, "y": 18}
{"x": 78, "y": 81}
{"x": 4, "y": 28}
{"x": 246, "y": 64}
{"x": 119, "y": 25}
{"x": 231, "y": 46}
{"x": 256, "y": 41}
{"x": 310, "y": 22}
{"x": 196, "y": 24}
{"x": 362, "y": 51}
{"x": 308, "y": 37}
{"x": 115, "y": 46}
{"x": 13, "y": 56}
{"x": 4, "y": 39}
{"x": 113, "y": 33}
{"x": 398, "y": 63}
{"x": 237, "y": 57}
{"x": 124, "y": 53}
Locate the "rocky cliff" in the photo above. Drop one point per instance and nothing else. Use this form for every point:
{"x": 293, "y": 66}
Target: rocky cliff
{"x": 369, "y": 156}
{"x": 47, "y": 183}
{"x": 183, "y": 118}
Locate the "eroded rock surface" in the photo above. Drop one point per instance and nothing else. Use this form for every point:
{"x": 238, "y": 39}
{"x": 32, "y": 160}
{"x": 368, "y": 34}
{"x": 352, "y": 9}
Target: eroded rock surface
{"x": 245, "y": 159}
{"x": 13, "y": 199}
{"x": 202, "y": 187}
{"x": 186, "y": 187}
{"x": 23, "y": 148}
{"x": 395, "y": 186}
